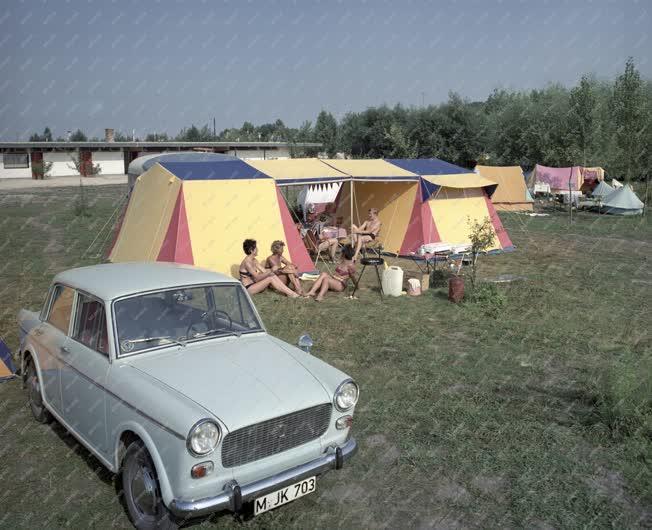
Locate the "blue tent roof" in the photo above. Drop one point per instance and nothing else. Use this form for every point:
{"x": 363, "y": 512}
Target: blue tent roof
{"x": 428, "y": 166}
{"x": 228, "y": 169}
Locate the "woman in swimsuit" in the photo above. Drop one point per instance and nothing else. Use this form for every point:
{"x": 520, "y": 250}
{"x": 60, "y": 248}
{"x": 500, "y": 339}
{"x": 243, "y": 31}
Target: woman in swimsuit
{"x": 255, "y": 278}
{"x": 285, "y": 270}
{"x": 338, "y": 280}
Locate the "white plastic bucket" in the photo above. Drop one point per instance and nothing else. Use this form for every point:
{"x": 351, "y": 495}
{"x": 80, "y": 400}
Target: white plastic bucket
{"x": 393, "y": 281}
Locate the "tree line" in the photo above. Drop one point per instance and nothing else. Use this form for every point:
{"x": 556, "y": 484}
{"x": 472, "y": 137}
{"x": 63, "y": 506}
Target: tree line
{"x": 595, "y": 123}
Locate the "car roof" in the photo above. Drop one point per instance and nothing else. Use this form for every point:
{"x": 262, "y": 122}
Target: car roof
{"x": 113, "y": 280}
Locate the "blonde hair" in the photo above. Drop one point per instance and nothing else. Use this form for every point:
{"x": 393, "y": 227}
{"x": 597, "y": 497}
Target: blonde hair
{"x": 277, "y": 246}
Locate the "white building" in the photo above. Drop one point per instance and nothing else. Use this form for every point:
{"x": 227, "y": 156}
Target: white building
{"x": 18, "y": 158}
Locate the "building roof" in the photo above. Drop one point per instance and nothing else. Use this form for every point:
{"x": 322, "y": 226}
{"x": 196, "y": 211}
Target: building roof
{"x": 189, "y": 145}
{"x": 113, "y": 280}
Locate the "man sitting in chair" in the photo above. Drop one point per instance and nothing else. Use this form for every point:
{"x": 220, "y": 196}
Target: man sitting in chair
{"x": 366, "y": 232}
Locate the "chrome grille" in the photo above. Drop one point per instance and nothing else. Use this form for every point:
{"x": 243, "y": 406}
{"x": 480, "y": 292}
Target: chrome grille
{"x": 274, "y": 436}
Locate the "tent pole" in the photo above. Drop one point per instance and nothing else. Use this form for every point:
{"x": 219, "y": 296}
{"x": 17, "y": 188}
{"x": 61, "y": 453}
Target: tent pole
{"x": 351, "y": 195}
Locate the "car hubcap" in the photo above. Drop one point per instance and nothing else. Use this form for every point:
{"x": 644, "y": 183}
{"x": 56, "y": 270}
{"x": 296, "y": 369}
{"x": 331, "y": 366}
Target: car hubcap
{"x": 143, "y": 489}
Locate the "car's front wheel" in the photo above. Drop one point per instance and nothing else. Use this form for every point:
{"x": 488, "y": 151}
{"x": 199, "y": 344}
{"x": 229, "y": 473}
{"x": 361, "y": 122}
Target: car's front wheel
{"x": 142, "y": 492}
{"x": 40, "y": 413}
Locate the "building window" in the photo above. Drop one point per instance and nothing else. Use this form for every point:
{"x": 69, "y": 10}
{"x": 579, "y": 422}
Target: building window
{"x": 16, "y": 160}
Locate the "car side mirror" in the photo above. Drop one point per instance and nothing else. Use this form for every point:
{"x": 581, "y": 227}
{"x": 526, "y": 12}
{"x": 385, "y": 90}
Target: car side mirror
{"x": 305, "y": 343}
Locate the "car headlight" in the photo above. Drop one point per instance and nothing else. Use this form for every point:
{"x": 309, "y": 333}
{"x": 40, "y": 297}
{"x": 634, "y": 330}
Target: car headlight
{"x": 346, "y": 395}
{"x": 203, "y": 437}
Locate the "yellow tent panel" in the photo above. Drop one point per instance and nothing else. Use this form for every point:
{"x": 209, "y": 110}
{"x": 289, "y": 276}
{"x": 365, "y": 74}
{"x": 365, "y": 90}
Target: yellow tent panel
{"x": 460, "y": 181}
{"x": 370, "y": 169}
{"x": 147, "y": 217}
{"x": 298, "y": 171}
{"x": 394, "y": 201}
{"x": 453, "y": 208}
{"x": 250, "y": 209}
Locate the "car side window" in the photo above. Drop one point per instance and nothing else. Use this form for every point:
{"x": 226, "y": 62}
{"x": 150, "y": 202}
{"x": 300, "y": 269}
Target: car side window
{"x": 90, "y": 324}
{"x": 61, "y": 307}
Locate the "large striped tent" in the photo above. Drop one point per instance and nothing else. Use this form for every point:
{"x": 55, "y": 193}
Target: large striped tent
{"x": 511, "y": 193}
{"x": 449, "y": 198}
{"x": 199, "y": 212}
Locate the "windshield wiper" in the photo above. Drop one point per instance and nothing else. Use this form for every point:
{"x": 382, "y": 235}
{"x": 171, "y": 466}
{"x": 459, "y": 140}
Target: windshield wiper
{"x": 131, "y": 342}
{"x": 215, "y": 331}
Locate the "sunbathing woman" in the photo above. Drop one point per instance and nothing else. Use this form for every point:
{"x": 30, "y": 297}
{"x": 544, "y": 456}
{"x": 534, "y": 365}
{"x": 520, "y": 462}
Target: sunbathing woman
{"x": 338, "y": 280}
{"x": 255, "y": 278}
{"x": 283, "y": 268}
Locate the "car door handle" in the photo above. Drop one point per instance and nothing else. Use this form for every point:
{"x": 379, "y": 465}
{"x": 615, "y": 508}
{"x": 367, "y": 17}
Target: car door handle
{"x": 64, "y": 349}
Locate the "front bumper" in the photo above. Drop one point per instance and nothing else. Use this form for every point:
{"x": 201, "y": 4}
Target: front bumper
{"x": 234, "y": 495}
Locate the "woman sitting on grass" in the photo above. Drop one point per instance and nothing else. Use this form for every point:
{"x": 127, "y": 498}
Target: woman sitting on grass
{"x": 338, "y": 280}
{"x": 285, "y": 270}
{"x": 255, "y": 278}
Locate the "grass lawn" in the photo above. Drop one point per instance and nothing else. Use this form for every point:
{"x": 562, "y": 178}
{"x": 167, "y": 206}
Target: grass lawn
{"x": 529, "y": 408}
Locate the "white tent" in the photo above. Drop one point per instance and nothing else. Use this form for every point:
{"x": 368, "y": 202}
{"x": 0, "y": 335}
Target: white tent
{"x": 623, "y": 201}
{"x": 615, "y": 184}
{"x": 602, "y": 190}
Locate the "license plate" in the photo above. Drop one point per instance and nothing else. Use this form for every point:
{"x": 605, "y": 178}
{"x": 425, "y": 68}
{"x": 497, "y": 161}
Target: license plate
{"x": 285, "y": 495}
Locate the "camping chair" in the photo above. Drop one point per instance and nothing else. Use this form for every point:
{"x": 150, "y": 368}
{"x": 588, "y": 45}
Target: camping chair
{"x": 375, "y": 246}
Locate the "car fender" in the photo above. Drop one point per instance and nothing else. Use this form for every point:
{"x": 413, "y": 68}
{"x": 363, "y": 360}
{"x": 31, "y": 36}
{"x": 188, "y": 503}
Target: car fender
{"x": 29, "y": 348}
{"x": 141, "y": 432}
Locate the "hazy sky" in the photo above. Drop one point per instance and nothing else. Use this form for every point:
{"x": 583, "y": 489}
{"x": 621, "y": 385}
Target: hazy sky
{"x": 160, "y": 65}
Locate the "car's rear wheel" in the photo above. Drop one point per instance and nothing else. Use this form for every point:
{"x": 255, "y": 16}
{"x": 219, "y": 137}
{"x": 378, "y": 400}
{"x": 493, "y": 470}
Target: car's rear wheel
{"x": 35, "y": 394}
{"x": 141, "y": 491}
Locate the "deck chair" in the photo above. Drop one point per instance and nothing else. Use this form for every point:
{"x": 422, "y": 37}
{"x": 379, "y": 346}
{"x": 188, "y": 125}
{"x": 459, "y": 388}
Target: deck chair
{"x": 375, "y": 247}
{"x": 311, "y": 241}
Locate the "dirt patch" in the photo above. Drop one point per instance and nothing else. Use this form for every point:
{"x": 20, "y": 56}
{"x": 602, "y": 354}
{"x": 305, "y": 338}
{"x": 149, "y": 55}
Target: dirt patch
{"x": 448, "y": 490}
{"x": 490, "y": 486}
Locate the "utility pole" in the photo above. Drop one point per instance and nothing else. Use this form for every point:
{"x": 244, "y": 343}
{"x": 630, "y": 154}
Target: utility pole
{"x": 214, "y": 129}
{"x": 423, "y": 99}
{"x": 570, "y": 196}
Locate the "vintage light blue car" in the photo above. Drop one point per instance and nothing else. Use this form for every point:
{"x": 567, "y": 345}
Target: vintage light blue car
{"x": 166, "y": 374}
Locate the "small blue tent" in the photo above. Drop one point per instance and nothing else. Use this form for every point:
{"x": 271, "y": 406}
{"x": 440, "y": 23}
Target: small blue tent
{"x": 7, "y": 368}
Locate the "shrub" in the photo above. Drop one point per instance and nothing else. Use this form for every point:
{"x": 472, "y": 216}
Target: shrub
{"x": 488, "y": 297}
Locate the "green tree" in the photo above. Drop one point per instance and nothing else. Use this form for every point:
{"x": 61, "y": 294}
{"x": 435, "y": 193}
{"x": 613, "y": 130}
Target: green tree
{"x": 78, "y": 136}
{"x": 582, "y": 116}
{"x": 401, "y": 145}
{"x": 629, "y": 114}
{"x": 326, "y": 132}
{"x": 45, "y": 137}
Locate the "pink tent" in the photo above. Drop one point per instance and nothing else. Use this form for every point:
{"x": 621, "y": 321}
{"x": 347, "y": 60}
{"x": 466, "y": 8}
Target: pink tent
{"x": 559, "y": 177}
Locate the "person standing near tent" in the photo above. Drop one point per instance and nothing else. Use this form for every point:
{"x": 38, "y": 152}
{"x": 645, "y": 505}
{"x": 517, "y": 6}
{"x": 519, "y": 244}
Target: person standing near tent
{"x": 283, "y": 268}
{"x": 255, "y": 278}
{"x": 366, "y": 232}
{"x": 336, "y": 281}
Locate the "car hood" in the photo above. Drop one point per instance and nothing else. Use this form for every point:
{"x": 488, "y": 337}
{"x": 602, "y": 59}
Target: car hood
{"x": 240, "y": 380}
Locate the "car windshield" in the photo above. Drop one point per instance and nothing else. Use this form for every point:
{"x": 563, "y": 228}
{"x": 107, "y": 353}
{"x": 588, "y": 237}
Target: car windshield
{"x": 183, "y": 315}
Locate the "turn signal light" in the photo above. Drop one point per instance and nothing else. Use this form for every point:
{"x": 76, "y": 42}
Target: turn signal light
{"x": 344, "y": 422}
{"x": 201, "y": 470}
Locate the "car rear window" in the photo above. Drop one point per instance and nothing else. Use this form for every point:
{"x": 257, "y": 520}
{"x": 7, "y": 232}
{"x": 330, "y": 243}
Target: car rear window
{"x": 61, "y": 307}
